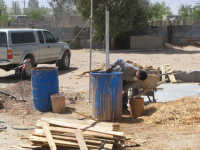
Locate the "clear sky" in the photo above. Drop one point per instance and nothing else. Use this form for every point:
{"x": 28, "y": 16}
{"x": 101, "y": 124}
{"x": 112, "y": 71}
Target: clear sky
{"x": 175, "y": 4}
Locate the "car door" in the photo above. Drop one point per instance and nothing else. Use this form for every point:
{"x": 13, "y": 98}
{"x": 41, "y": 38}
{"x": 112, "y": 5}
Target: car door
{"x": 52, "y": 46}
{"x": 42, "y": 48}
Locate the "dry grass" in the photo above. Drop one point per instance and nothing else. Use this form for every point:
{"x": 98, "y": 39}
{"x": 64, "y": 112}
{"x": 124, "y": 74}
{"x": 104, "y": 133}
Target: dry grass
{"x": 184, "y": 111}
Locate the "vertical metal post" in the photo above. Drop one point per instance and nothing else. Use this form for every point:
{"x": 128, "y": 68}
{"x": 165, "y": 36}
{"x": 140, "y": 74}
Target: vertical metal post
{"x": 107, "y": 37}
{"x": 91, "y": 46}
{"x": 24, "y": 6}
{"x": 15, "y": 8}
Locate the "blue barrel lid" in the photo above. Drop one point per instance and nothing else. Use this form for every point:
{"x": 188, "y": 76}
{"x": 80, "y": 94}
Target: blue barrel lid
{"x": 106, "y": 73}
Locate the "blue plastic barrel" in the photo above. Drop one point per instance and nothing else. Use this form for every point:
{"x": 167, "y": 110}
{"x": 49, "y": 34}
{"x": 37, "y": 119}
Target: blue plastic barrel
{"x": 44, "y": 84}
{"x": 106, "y": 94}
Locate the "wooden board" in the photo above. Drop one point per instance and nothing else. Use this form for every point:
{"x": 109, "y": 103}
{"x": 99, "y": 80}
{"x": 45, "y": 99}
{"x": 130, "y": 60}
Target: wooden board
{"x": 62, "y": 130}
{"x": 91, "y": 141}
{"x": 82, "y": 127}
{"x": 48, "y": 135}
{"x": 43, "y": 141}
{"x": 57, "y": 142}
{"x": 168, "y": 69}
{"x": 172, "y": 78}
{"x": 80, "y": 139}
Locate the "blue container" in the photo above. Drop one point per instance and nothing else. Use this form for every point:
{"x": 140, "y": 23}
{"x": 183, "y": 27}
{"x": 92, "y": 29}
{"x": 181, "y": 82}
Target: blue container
{"x": 44, "y": 84}
{"x": 106, "y": 93}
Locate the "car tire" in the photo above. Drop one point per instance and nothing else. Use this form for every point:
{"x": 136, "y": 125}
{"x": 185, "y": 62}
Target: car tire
{"x": 64, "y": 63}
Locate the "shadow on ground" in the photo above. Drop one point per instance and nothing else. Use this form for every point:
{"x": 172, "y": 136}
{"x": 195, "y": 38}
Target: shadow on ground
{"x": 129, "y": 119}
{"x": 188, "y": 76}
{"x": 14, "y": 79}
{"x": 149, "y": 111}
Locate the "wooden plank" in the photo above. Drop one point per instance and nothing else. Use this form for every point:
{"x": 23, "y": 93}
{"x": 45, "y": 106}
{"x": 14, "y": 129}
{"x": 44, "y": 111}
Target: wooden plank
{"x": 82, "y": 127}
{"x": 49, "y": 137}
{"x": 80, "y": 139}
{"x": 163, "y": 72}
{"x": 59, "y": 142}
{"x": 172, "y": 78}
{"x": 104, "y": 125}
{"x": 71, "y": 132}
{"x": 91, "y": 141}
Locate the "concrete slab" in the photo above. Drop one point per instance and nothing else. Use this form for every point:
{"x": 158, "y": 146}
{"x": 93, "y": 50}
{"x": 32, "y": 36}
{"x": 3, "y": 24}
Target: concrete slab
{"x": 171, "y": 92}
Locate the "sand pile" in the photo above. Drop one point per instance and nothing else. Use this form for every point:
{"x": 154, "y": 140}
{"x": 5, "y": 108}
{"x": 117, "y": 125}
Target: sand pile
{"x": 184, "y": 111}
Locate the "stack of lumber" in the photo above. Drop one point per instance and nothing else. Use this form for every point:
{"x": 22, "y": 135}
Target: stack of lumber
{"x": 77, "y": 134}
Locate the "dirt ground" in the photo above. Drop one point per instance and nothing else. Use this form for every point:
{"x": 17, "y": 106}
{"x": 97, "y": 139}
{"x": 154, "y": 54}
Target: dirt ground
{"x": 170, "y": 134}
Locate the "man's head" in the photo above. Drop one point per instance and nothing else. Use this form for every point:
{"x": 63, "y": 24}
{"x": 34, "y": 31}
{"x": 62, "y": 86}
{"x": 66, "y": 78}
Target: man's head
{"x": 141, "y": 75}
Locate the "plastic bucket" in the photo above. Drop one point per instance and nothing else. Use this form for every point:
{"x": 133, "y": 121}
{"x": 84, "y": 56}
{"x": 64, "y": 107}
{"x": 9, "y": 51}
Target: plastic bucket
{"x": 106, "y": 95}
{"x": 44, "y": 84}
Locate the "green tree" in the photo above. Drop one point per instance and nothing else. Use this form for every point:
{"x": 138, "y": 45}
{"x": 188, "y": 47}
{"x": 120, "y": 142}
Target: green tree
{"x": 2, "y": 7}
{"x": 126, "y": 16}
{"x": 16, "y": 10}
{"x": 196, "y": 14}
{"x": 33, "y": 4}
{"x": 3, "y": 13}
{"x": 62, "y": 7}
{"x": 36, "y": 13}
{"x": 158, "y": 10}
{"x": 185, "y": 12}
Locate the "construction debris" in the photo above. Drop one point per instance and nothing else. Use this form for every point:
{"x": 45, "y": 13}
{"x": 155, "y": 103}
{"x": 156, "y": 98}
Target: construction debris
{"x": 68, "y": 133}
{"x": 167, "y": 73}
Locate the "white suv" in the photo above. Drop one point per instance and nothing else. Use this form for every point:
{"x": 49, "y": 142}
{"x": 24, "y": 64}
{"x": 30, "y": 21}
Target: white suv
{"x": 37, "y": 45}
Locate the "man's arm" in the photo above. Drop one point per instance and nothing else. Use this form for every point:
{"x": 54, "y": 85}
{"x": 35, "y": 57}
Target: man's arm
{"x": 119, "y": 62}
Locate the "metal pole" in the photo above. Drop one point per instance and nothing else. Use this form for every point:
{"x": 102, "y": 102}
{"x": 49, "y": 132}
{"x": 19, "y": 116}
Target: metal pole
{"x": 24, "y": 6}
{"x": 107, "y": 37}
{"x": 91, "y": 46}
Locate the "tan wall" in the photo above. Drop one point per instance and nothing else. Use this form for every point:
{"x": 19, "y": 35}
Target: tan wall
{"x": 146, "y": 42}
{"x": 71, "y": 21}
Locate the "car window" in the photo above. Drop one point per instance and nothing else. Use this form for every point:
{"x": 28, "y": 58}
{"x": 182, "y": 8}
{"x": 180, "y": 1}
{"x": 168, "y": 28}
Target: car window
{"x": 49, "y": 37}
{"x": 22, "y": 37}
{"x": 3, "y": 39}
{"x": 41, "y": 38}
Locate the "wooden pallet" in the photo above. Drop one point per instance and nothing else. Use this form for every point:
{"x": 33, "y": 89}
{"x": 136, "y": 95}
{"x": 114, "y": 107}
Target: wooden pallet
{"x": 67, "y": 133}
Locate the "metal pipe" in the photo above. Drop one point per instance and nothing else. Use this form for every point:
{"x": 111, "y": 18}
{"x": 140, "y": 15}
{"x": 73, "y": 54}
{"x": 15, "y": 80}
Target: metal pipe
{"x": 91, "y": 46}
{"x": 107, "y": 37}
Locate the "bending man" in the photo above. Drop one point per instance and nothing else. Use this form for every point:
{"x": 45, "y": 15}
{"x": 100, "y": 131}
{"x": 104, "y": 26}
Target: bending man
{"x": 130, "y": 74}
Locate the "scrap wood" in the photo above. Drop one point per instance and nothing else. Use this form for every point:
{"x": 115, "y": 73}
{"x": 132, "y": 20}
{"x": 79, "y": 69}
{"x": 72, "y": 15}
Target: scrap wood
{"x": 7, "y": 94}
{"x": 69, "y": 137}
{"x": 49, "y": 137}
{"x": 86, "y": 124}
{"x": 64, "y": 134}
{"x": 29, "y": 146}
{"x": 81, "y": 126}
{"x": 63, "y": 143}
{"x": 94, "y": 70}
{"x": 71, "y": 132}
{"x": 167, "y": 71}
{"x": 80, "y": 139}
